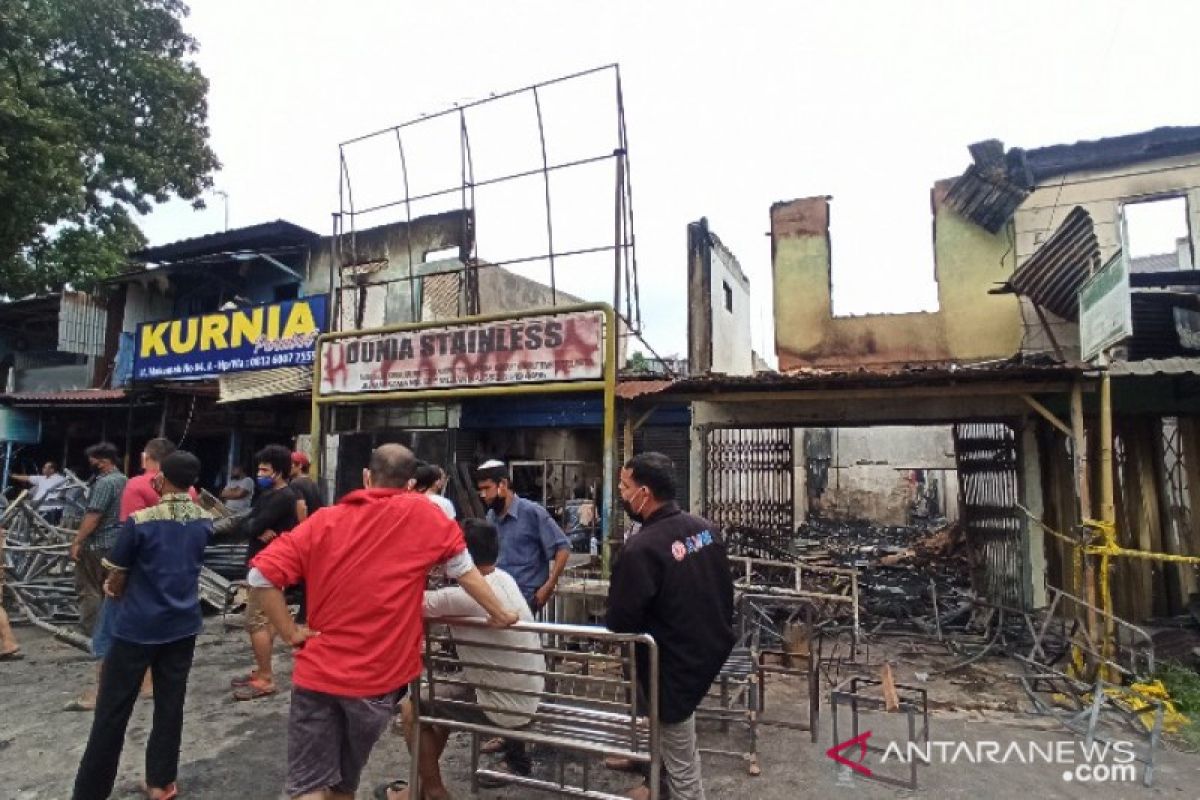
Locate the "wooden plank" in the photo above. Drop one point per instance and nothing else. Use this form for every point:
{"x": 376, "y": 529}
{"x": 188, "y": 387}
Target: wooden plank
{"x": 1141, "y": 517}
{"x": 1189, "y": 437}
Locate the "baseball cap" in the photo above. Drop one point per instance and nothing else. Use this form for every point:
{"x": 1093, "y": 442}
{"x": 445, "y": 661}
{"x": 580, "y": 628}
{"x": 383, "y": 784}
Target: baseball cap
{"x": 300, "y": 459}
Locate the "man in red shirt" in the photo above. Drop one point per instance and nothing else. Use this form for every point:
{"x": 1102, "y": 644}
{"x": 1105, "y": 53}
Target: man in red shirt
{"x": 139, "y": 492}
{"x": 365, "y": 562}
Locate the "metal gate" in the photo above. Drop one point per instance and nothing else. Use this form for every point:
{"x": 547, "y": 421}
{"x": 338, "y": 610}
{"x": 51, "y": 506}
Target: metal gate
{"x": 748, "y": 481}
{"x": 989, "y": 491}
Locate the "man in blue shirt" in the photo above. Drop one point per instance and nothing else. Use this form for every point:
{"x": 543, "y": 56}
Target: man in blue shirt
{"x": 533, "y": 549}
{"x": 154, "y": 571}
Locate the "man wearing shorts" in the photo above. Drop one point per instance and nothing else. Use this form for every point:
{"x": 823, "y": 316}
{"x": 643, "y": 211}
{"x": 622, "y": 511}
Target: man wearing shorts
{"x": 276, "y": 510}
{"x": 365, "y": 562}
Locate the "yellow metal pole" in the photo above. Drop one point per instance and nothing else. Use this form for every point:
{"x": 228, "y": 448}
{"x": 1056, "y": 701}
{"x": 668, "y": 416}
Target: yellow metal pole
{"x": 314, "y": 432}
{"x": 1083, "y": 566}
{"x": 610, "y": 434}
{"x": 1108, "y": 511}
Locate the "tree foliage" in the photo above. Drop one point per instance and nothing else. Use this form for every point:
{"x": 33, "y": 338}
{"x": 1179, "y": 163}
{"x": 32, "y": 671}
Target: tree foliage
{"x": 102, "y": 113}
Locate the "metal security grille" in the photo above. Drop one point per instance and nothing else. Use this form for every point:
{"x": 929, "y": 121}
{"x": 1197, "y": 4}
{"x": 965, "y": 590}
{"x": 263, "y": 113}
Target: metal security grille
{"x": 748, "y": 480}
{"x": 986, "y": 455}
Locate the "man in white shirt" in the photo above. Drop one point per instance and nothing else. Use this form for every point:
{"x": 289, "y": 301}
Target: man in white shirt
{"x": 46, "y": 497}
{"x": 513, "y": 668}
{"x": 430, "y": 480}
{"x": 239, "y": 491}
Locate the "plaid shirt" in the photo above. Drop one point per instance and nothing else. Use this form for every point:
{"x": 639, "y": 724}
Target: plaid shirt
{"x": 104, "y": 498}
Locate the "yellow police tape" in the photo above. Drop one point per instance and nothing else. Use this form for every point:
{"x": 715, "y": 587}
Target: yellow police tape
{"x": 1138, "y": 698}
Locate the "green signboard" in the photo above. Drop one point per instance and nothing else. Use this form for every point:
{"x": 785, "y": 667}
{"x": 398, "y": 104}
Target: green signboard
{"x": 1105, "y": 313}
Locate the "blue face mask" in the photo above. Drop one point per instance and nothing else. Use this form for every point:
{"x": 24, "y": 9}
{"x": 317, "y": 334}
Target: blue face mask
{"x": 264, "y": 481}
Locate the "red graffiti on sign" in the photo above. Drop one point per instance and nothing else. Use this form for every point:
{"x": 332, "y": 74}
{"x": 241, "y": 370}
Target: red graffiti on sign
{"x": 529, "y": 350}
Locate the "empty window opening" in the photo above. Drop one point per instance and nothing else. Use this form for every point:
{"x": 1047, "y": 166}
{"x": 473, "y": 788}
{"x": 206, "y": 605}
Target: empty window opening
{"x": 445, "y": 254}
{"x": 728, "y": 296}
{"x": 1156, "y": 235}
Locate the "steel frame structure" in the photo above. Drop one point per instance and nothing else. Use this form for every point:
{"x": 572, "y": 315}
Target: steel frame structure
{"x": 625, "y": 296}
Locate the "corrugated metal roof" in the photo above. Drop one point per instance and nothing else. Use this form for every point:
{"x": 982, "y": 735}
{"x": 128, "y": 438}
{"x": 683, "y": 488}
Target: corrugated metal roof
{"x": 629, "y": 390}
{"x": 1054, "y": 274}
{"x": 987, "y": 198}
{"x": 1112, "y": 151}
{"x": 75, "y": 396}
{"x": 1155, "y": 331}
{"x": 1161, "y": 262}
{"x": 82, "y": 320}
{"x": 1155, "y": 366}
{"x": 279, "y": 233}
{"x": 926, "y": 374}
{"x": 237, "y": 386}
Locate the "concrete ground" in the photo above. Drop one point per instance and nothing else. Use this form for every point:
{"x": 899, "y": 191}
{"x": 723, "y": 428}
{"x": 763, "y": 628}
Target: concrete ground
{"x": 237, "y": 750}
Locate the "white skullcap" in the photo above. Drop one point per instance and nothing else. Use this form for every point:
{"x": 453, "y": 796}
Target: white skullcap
{"x": 492, "y": 463}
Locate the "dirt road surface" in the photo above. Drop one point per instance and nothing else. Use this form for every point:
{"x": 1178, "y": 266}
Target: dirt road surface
{"x": 237, "y": 750}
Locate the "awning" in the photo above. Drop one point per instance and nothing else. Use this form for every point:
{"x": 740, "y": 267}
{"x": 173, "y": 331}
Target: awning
{"x": 105, "y": 397}
{"x": 1053, "y": 275}
{"x": 237, "y": 386}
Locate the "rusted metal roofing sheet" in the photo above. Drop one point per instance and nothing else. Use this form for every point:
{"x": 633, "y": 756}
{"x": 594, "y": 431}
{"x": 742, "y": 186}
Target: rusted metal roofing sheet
{"x": 926, "y": 374}
{"x": 82, "y": 320}
{"x": 75, "y": 396}
{"x": 629, "y": 390}
{"x": 1054, "y": 274}
{"x": 989, "y": 199}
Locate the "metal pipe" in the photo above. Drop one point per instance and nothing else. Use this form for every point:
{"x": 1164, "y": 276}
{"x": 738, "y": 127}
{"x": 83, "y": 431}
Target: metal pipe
{"x": 1108, "y": 512}
{"x": 528, "y": 173}
{"x": 537, "y": 104}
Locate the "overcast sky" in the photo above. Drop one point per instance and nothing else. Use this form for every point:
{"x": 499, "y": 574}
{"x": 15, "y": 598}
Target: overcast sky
{"x": 729, "y": 107}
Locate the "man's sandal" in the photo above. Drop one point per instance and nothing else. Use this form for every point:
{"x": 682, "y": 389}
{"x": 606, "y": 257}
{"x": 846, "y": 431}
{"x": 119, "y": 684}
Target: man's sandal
{"x": 12, "y": 655}
{"x": 255, "y": 689}
{"x": 243, "y": 680}
{"x": 168, "y": 792}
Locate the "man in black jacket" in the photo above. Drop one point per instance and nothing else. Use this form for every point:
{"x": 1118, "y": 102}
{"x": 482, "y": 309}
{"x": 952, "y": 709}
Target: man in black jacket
{"x": 673, "y": 581}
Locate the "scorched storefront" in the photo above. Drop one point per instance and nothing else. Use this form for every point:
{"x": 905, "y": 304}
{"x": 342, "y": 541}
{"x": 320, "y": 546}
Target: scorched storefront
{"x": 534, "y": 389}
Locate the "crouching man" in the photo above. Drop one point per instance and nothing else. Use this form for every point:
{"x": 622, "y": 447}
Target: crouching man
{"x": 365, "y": 561}
{"x": 495, "y": 666}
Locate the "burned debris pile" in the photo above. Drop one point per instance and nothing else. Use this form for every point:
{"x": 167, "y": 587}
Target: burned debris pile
{"x": 903, "y": 570}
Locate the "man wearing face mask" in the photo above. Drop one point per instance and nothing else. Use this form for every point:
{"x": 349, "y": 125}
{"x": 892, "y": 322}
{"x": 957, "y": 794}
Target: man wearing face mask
{"x": 672, "y": 581}
{"x": 533, "y": 549}
{"x": 276, "y": 510}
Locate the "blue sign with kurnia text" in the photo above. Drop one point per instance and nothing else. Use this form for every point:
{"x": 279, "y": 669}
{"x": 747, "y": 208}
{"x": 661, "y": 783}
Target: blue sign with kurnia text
{"x": 257, "y": 337}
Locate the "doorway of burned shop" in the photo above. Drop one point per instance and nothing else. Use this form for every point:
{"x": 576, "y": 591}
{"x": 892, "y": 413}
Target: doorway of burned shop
{"x": 930, "y": 516}
{"x": 554, "y": 449}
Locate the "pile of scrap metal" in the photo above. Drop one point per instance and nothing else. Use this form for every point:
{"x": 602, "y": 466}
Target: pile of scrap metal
{"x": 1067, "y": 673}
{"x": 1071, "y": 675}
{"x": 40, "y": 575}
